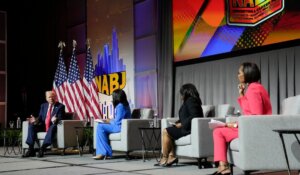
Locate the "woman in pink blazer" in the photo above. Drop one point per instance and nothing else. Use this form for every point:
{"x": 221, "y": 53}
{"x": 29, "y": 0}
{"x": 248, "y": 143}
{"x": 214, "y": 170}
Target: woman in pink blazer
{"x": 253, "y": 100}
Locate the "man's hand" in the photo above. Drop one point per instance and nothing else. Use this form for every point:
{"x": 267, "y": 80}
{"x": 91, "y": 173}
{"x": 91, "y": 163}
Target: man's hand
{"x": 54, "y": 119}
{"x": 31, "y": 120}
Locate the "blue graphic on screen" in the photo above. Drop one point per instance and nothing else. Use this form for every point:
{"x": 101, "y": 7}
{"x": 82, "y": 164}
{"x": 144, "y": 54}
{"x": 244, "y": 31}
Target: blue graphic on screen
{"x": 223, "y": 40}
{"x": 109, "y": 62}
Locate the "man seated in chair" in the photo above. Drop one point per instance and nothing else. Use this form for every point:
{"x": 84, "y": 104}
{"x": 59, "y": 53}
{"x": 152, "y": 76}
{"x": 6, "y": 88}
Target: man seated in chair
{"x": 50, "y": 113}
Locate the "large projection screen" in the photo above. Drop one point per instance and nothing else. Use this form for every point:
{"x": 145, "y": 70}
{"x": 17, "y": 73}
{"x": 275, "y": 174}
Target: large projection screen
{"x": 200, "y": 29}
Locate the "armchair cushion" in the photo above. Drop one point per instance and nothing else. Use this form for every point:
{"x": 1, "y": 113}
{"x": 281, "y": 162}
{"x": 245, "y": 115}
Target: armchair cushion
{"x": 208, "y": 110}
{"x": 41, "y": 135}
{"x": 234, "y": 145}
{"x": 224, "y": 110}
{"x": 291, "y": 105}
{"x": 115, "y": 136}
{"x": 186, "y": 140}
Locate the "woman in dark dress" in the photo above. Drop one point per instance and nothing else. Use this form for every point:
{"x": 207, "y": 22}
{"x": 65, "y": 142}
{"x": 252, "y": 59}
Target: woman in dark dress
{"x": 190, "y": 109}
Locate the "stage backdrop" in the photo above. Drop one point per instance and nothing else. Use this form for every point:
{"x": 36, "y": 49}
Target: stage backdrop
{"x": 110, "y": 28}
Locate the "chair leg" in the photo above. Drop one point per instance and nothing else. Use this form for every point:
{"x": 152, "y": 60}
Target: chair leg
{"x": 203, "y": 163}
{"x": 199, "y": 163}
{"x": 127, "y": 156}
{"x": 63, "y": 151}
{"x": 247, "y": 172}
{"x": 231, "y": 169}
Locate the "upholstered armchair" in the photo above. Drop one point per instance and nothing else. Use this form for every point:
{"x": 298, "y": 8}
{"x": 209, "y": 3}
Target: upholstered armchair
{"x": 128, "y": 139}
{"x": 66, "y": 135}
{"x": 259, "y": 147}
{"x": 199, "y": 144}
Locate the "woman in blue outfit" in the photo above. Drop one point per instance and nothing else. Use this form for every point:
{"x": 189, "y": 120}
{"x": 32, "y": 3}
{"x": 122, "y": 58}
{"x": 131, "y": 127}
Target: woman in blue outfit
{"x": 122, "y": 111}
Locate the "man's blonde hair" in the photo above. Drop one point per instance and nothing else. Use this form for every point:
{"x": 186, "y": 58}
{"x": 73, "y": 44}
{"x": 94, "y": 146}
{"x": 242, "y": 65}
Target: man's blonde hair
{"x": 50, "y": 93}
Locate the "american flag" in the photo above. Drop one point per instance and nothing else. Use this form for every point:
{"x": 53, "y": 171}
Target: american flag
{"x": 74, "y": 97}
{"x": 60, "y": 79}
{"x": 90, "y": 88}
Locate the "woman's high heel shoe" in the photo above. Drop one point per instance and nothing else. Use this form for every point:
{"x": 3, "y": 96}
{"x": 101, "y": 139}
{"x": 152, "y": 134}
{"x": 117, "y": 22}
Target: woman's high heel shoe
{"x": 220, "y": 173}
{"x": 99, "y": 157}
{"x": 172, "y": 162}
{"x": 163, "y": 161}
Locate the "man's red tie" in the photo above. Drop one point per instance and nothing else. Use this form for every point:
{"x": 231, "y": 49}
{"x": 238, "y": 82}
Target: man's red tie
{"x": 48, "y": 117}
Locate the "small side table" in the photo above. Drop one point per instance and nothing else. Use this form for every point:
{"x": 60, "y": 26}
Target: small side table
{"x": 87, "y": 132}
{"x": 11, "y": 138}
{"x": 148, "y": 135}
{"x": 287, "y": 131}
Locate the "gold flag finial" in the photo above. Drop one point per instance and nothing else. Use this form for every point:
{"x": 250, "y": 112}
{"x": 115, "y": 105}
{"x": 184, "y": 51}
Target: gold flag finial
{"x": 74, "y": 44}
{"x": 88, "y": 43}
{"x": 61, "y": 46}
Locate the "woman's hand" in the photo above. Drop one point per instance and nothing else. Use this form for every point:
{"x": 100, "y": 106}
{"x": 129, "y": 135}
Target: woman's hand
{"x": 241, "y": 88}
{"x": 178, "y": 125}
{"x": 231, "y": 125}
{"x": 107, "y": 120}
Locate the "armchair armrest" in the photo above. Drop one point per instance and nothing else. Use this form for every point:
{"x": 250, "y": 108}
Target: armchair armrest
{"x": 24, "y": 134}
{"x": 66, "y": 133}
{"x": 202, "y": 137}
{"x": 130, "y": 134}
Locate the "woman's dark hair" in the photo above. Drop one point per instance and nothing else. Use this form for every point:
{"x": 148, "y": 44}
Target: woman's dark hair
{"x": 189, "y": 90}
{"x": 119, "y": 96}
{"x": 251, "y": 72}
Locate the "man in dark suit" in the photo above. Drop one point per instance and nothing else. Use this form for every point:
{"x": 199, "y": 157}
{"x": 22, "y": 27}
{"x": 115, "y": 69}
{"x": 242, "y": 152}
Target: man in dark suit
{"x": 50, "y": 113}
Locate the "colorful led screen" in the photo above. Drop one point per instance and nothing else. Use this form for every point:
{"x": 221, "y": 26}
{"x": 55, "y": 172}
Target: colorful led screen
{"x": 200, "y": 28}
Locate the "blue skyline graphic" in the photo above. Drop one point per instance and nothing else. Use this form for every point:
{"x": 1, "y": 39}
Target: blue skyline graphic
{"x": 109, "y": 61}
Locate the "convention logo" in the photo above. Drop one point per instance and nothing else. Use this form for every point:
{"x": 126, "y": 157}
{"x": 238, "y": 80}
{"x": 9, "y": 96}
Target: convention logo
{"x": 109, "y": 82}
{"x": 252, "y": 12}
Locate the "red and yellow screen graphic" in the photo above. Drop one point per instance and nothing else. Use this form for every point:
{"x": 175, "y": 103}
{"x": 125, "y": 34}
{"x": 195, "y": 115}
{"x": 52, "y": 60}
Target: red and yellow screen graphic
{"x": 202, "y": 28}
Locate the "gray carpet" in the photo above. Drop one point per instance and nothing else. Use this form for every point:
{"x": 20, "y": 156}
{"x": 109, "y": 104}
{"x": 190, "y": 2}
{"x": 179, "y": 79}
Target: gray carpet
{"x": 73, "y": 164}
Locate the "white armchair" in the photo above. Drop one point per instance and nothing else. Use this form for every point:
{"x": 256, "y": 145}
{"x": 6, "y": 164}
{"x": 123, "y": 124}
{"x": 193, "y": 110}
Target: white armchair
{"x": 259, "y": 147}
{"x": 66, "y": 135}
{"x": 128, "y": 139}
{"x": 198, "y": 144}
